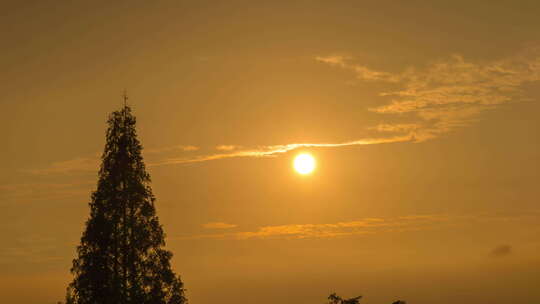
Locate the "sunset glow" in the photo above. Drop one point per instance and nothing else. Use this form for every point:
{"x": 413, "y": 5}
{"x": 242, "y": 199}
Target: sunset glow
{"x": 306, "y": 152}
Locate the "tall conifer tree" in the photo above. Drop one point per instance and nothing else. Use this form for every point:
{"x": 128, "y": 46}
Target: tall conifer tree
{"x": 121, "y": 259}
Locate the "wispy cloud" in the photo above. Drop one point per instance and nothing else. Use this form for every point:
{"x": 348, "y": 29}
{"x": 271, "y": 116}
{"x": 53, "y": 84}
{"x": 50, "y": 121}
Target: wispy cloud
{"x": 339, "y": 60}
{"x": 395, "y": 127}
{"x": 450, "y": 93}
{"x": 274, "y": 150}
{"x": 228, "y": 147}
{"x": 80, "y": 165}
{"x": 218, "y": 225}
{"x": 445, "y": 95}
{"x": 332, "y": 230}
{"x": 362, "y": 72}
{"x": 176, "y": 148}
{"x": 369, "y": 226}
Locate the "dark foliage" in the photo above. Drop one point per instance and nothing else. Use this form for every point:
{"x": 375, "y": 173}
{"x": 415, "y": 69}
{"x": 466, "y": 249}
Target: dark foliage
{"x": 121, "y": 259}
{"x": 335, "y": 299}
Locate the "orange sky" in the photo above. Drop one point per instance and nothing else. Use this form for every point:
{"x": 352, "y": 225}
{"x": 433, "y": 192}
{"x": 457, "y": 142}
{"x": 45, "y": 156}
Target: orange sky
{"x": 422, "y": 116}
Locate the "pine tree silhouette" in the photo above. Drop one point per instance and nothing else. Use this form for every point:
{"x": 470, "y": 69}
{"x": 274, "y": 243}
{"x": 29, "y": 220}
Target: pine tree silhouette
{"x": 121, "y": 259}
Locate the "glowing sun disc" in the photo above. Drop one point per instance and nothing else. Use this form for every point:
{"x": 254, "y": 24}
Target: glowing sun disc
{"x": 304, "y": 163}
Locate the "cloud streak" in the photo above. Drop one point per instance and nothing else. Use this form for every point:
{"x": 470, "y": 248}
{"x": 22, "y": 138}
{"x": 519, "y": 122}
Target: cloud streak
{"x": 176, "y": 148}
{"x": 331, "y": 230}
{"x": 80, "y": 165}
{"x": 274, "y": 150}
{"x": 227, "y": 147}
{"x": 218, "y": 225}
{"x": 370, "y": 226}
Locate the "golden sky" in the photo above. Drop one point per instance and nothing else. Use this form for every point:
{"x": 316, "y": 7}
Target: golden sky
{"x": 422, "y": 117}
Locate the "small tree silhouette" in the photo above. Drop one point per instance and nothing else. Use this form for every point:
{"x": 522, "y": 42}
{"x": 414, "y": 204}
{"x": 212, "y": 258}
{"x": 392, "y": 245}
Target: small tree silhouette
{"x": 335, "y": 299}
{"x": 121, "y": 259}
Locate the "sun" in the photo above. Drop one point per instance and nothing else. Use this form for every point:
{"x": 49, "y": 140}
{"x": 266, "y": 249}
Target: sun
{"x": 304, "y": 163}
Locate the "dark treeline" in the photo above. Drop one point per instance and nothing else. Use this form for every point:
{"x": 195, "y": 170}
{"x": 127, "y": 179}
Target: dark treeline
{"x": 121, "y": 259}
